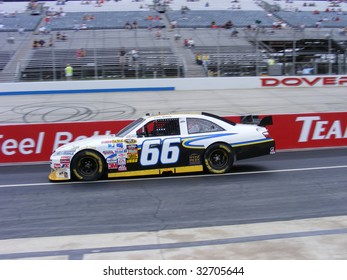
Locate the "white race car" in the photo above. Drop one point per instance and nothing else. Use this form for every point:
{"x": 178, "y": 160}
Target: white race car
{"x": 173, "y": 143}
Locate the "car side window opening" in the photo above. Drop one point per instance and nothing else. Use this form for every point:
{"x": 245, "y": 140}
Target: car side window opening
{"x": 196, "y": 125}
{"x": 162, "y": 127}
{"x": 124, "y": 131}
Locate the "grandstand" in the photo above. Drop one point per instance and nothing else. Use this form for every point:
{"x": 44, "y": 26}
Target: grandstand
{"x": 281, "y": 29}
{"x": 104, "y": 64}
{"x": 309, "y": 19}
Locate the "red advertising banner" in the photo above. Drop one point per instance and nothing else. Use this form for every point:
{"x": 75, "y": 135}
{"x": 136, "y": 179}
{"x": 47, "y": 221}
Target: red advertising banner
{"x": 36, "y": 142}
{"x": 316, "y": 130}
{"x": 313, "y": 130}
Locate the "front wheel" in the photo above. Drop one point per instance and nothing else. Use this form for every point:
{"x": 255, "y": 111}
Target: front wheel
{"x": 87, "y": 166}
{"x": 218, "y": 158}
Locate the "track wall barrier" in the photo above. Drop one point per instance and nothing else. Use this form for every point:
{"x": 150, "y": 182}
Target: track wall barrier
{"x": 210, "y": 83}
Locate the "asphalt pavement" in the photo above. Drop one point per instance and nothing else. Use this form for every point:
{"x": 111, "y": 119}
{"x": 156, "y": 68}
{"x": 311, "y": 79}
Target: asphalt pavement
{"x": 287, "y": 206}
{"x": 131, "y": 105}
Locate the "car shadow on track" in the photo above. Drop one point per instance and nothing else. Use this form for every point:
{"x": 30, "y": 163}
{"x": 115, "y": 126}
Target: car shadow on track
{"x": 241, "y": 168}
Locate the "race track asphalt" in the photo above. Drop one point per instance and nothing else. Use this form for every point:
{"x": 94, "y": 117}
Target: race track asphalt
{"x": 131, "y": 105}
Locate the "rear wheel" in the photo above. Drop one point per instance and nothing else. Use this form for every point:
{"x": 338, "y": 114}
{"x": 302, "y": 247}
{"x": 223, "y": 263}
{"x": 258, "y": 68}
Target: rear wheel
{"x": 218, "y": 158}
{"x": 87, "y": 166}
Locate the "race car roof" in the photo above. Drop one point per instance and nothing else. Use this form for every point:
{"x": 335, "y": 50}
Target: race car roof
{"x": 190, "y": 114}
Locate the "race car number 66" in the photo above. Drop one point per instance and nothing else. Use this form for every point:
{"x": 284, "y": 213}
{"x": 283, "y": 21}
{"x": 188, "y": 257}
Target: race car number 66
{"x": 153, "y": 151}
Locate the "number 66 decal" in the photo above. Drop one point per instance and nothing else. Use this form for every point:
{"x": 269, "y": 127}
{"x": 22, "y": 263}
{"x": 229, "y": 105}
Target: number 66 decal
{"x": 153, "y": 151}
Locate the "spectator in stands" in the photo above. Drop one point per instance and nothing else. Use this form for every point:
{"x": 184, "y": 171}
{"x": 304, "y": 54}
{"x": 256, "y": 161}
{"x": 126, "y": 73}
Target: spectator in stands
{"x": 47, "y": 20}
{"x": 61, "y": 12}
{"x": 76, "y": 26}
{"x": 191, "y": 43}
{"x": 271, "y": 61}
{"x": 63, "y": 37}
{"x": 184, "y": 10}
{"x": 198, "y": 58}
{"x": 68, "y": 72}
{"x": 228, "y": 24}
{"x": 173, "y": 24}
{"x": 213, "y": 24}
{"x": 177, "y": 36}
{"x": 318, "y": 24}
{"x": 98, "y": 3}
{"x": 158, "y": 33}
{"x": 79, "y": 53}
{"x": 127, "y": 25}
{"x": 43, "y": 30}
{"x": 36, "y": 44}
{"x": 42, "y": 42}
{"x": 32, "y": 5}
{"x": 87, "y": 17}
{"x": 135, "y": 24}
{"x": 20, "y": 30}
{"x": 341, "y": 31}
{"x": 234, "y": 32}
{"x": 50, "y": 42}
{"x": 134, "y": 55}
{"x": 122, "y": 56}
{"x": 205, "y": 59}
{"x": 276, "y": 24}
{"x": 249, "y": 27}
{"x": 307, "y": 70}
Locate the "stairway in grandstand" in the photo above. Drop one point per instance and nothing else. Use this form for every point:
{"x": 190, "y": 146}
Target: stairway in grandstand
{"x": 192, "y": 70}
{"x": 18, "y": 50}
{"x": 186, "y": 54}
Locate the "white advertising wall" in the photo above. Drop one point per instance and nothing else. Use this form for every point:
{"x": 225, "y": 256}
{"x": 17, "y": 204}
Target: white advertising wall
{"x": 173, "y": 84}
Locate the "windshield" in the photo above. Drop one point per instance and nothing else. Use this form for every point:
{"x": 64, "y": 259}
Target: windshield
{"x": 123, "y": 132}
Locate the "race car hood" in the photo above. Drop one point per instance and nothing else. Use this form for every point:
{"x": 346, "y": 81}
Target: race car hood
{"x": 91, "y": 142}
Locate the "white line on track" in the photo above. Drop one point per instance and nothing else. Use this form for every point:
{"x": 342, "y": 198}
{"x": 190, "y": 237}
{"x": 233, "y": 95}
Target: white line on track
{"x": 178, "y": 177}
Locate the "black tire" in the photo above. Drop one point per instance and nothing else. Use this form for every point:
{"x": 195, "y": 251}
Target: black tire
{"x": 87, "y": 166}
{"x": 218, "y": 158}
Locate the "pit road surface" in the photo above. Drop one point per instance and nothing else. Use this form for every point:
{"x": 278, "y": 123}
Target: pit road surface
{"x": 292, "y": 205}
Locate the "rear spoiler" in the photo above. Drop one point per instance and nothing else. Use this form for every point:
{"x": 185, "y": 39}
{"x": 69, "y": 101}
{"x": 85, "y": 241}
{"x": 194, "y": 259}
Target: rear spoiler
{"x": 250, "y": 119}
